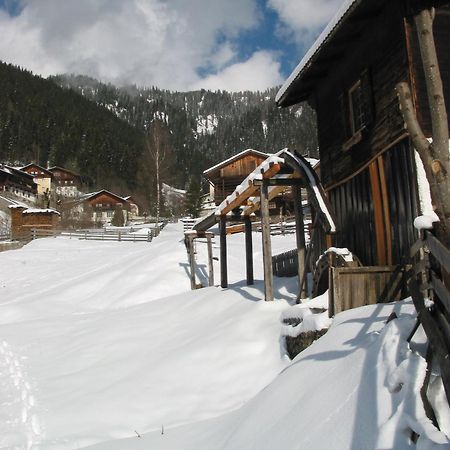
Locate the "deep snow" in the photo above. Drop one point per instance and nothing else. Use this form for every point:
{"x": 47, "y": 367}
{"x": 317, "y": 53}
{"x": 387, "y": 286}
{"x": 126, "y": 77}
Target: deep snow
{"x": 103, "y": 344}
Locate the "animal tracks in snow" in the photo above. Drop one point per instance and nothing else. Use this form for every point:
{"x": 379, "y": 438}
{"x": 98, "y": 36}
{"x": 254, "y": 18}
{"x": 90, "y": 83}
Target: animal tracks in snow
{"x": 19, "y": 425}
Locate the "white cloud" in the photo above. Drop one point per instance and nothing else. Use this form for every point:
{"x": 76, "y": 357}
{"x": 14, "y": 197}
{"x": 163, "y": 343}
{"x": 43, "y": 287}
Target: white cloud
{"x": 147, "y": 42}
{"x": 305, "y": 18}
{"x": 259, "y": 72}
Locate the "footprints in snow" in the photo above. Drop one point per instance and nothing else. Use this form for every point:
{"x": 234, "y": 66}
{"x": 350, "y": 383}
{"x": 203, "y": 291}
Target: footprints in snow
{"x": 19, "y": 425}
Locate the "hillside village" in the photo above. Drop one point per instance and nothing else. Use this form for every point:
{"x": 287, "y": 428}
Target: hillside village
{"x": 304, "y": 303}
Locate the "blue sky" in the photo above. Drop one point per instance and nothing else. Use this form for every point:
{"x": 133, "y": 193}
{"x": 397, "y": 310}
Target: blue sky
{"x": 173, "y": 44}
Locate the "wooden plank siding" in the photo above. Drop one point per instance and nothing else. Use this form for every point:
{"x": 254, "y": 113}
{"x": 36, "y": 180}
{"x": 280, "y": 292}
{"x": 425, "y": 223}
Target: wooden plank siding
{"x": 353, "y": 287}
{"x": 383, "y": 56}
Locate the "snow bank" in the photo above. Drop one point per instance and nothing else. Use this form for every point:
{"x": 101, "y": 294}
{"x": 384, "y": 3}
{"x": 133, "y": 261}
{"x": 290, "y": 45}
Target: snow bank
{"x": 334, "y": 395}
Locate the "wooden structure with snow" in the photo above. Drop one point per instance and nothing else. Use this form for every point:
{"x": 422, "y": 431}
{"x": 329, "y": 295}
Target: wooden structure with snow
{"x": 225, "y": 176}
{"x": 368, "y": 165}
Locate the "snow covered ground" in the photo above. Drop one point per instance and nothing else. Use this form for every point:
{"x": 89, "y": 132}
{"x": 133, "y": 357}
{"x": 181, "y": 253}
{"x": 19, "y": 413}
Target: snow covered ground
{"x": 103, "y": 345}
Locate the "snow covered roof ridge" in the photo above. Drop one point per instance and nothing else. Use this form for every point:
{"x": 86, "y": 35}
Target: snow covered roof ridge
{"x": 234, "y": 157}
{"x": 326, "y": 34}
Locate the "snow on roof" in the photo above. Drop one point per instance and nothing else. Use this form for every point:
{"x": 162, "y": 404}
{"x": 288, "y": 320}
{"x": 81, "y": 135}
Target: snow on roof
{"x": 258, "y": 173}
{"x": 40, "y": 211}
{"x": 235, "y": 157}
{"x": 326, "y": 34}
{"x": 102, "y": 191}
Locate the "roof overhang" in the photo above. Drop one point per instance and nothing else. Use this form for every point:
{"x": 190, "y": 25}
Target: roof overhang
{"x": 329, "y": 48}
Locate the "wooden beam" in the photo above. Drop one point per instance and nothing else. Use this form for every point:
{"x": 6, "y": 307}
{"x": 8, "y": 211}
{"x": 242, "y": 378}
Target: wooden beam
{"x": 257, "y": 204}
{"x": 223, "y": 252}
{"x": 251, "y": 189}
{"x": 248, "y": 250}
{"x": 300, "y": 237}
{"x": 266, "y": 243}
{"x": 210, "y": 260}
{"x": 192, "y": 261}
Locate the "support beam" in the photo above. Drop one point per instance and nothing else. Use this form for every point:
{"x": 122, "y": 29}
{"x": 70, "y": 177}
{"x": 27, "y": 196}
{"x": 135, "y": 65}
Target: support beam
{"x": 223, "y": 252}
{"x": 266, "y": 243}
{"x": 192, "y": 261}
{"x": 248, "y": 250}
{"x": 300, "y": 237}
{"x": 210, "y": 260}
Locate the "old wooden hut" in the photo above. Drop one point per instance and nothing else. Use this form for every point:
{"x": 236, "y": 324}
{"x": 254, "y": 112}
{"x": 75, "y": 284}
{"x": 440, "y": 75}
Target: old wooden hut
{"x": 225, "y": 176}
{"x": 368, "y": 164}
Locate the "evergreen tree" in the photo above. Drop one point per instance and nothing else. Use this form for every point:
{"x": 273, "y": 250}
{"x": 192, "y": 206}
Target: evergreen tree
{"x": 193, "y": 197}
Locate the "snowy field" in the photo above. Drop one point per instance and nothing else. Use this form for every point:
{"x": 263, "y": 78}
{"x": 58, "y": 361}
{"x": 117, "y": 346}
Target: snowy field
{"x": 104, "y": 345}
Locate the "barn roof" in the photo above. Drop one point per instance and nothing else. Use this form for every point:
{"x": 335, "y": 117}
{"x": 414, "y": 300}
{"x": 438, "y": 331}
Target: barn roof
{"x": 43, "y": 169}
{"x": 327, "y": 49}
{"x": 92, "y": 195}
{"x": 240, "y": 155}
{"x": 62, "y": 169}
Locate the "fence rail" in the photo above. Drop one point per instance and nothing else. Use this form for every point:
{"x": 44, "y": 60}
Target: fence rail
{"x": 95, "y": 235}
{"x": 428, "y": 281}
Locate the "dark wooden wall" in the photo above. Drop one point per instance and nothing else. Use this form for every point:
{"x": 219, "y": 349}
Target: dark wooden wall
{"x": 355, "y": 217}
{"x": 381, "y": 50}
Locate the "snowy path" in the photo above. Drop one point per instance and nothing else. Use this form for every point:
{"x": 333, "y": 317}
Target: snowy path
{"x": 19, "y": 424}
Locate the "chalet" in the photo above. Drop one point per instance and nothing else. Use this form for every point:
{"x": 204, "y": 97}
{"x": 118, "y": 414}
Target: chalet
{"x": 225, "y": 176}
{"x": 68, "y": 183}
{"x": 368, "y": 165}
{"x": 98, "y": 207}
{"x": 16, "y": 183}
{"x": 43, "y": 178}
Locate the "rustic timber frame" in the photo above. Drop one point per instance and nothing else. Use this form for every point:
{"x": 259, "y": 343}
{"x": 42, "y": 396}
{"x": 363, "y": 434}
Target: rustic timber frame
{"x": 190, "y": 237}
{"x": 275, "y": 174}
{"x": 370, "y": 173}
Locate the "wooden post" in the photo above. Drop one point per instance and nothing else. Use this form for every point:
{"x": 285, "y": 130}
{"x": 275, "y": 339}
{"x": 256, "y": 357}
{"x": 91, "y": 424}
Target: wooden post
{"x": 248, "y": 250}
{"x": 223, "y": 252}
{"x": 210, "y": 260}
{"x": 192, "y": 261}
{"x": 300, "y": 237}
{"x": 266, "y": 243}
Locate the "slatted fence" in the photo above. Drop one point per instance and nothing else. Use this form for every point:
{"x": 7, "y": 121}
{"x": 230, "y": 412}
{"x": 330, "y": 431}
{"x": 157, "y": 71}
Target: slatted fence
{"x": 285, "y": 264}
{"x": 427, "y": 281}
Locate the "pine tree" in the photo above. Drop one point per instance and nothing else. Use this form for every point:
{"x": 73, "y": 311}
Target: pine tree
{"x": 193, "y": 197}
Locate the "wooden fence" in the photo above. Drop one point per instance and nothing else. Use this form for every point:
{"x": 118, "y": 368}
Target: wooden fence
{"x": 96, "y": 235}
{"x": 285, "y": 264}
{"x": 432, "y": 267}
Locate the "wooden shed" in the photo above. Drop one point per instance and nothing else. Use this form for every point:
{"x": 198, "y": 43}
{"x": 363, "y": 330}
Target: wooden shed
{"x": 225, "y": 176}
{"x": 368, "y": 165}
{"x": 24, "y": 220}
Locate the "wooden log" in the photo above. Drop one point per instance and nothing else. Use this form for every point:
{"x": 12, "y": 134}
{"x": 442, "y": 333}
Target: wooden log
{"x": 223, "y": 252}
{"x": 210, "y": 261}
{"x": 248, "y": 250}
{"x": 266, "y": 243}
{"x": 192, "y": 261}
{"x": 300, "y": 237}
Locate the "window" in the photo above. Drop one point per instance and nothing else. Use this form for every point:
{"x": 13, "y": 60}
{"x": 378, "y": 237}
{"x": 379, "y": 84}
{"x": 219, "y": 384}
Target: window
{"x": 356, "y": 107}
{"x": 357, "y": 110}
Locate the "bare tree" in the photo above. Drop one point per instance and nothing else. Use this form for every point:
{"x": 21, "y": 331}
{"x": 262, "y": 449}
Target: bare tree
{"x": 159, "y": 150}
{"x": 435, "y": 154}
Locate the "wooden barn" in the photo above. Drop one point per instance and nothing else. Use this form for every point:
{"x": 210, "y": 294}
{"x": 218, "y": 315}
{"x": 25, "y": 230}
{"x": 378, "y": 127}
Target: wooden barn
{"x": 368, "y": 165}
{"x": 225, "y": 176}
{"x": 24, "y": 220}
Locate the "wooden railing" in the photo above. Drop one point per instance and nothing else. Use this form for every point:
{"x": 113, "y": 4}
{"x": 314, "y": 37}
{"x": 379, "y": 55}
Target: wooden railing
{"x": 432, "y": 301}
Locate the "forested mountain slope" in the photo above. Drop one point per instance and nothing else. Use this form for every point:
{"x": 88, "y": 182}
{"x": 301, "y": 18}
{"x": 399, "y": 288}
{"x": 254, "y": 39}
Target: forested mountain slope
{"x": 101, "y": 131}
